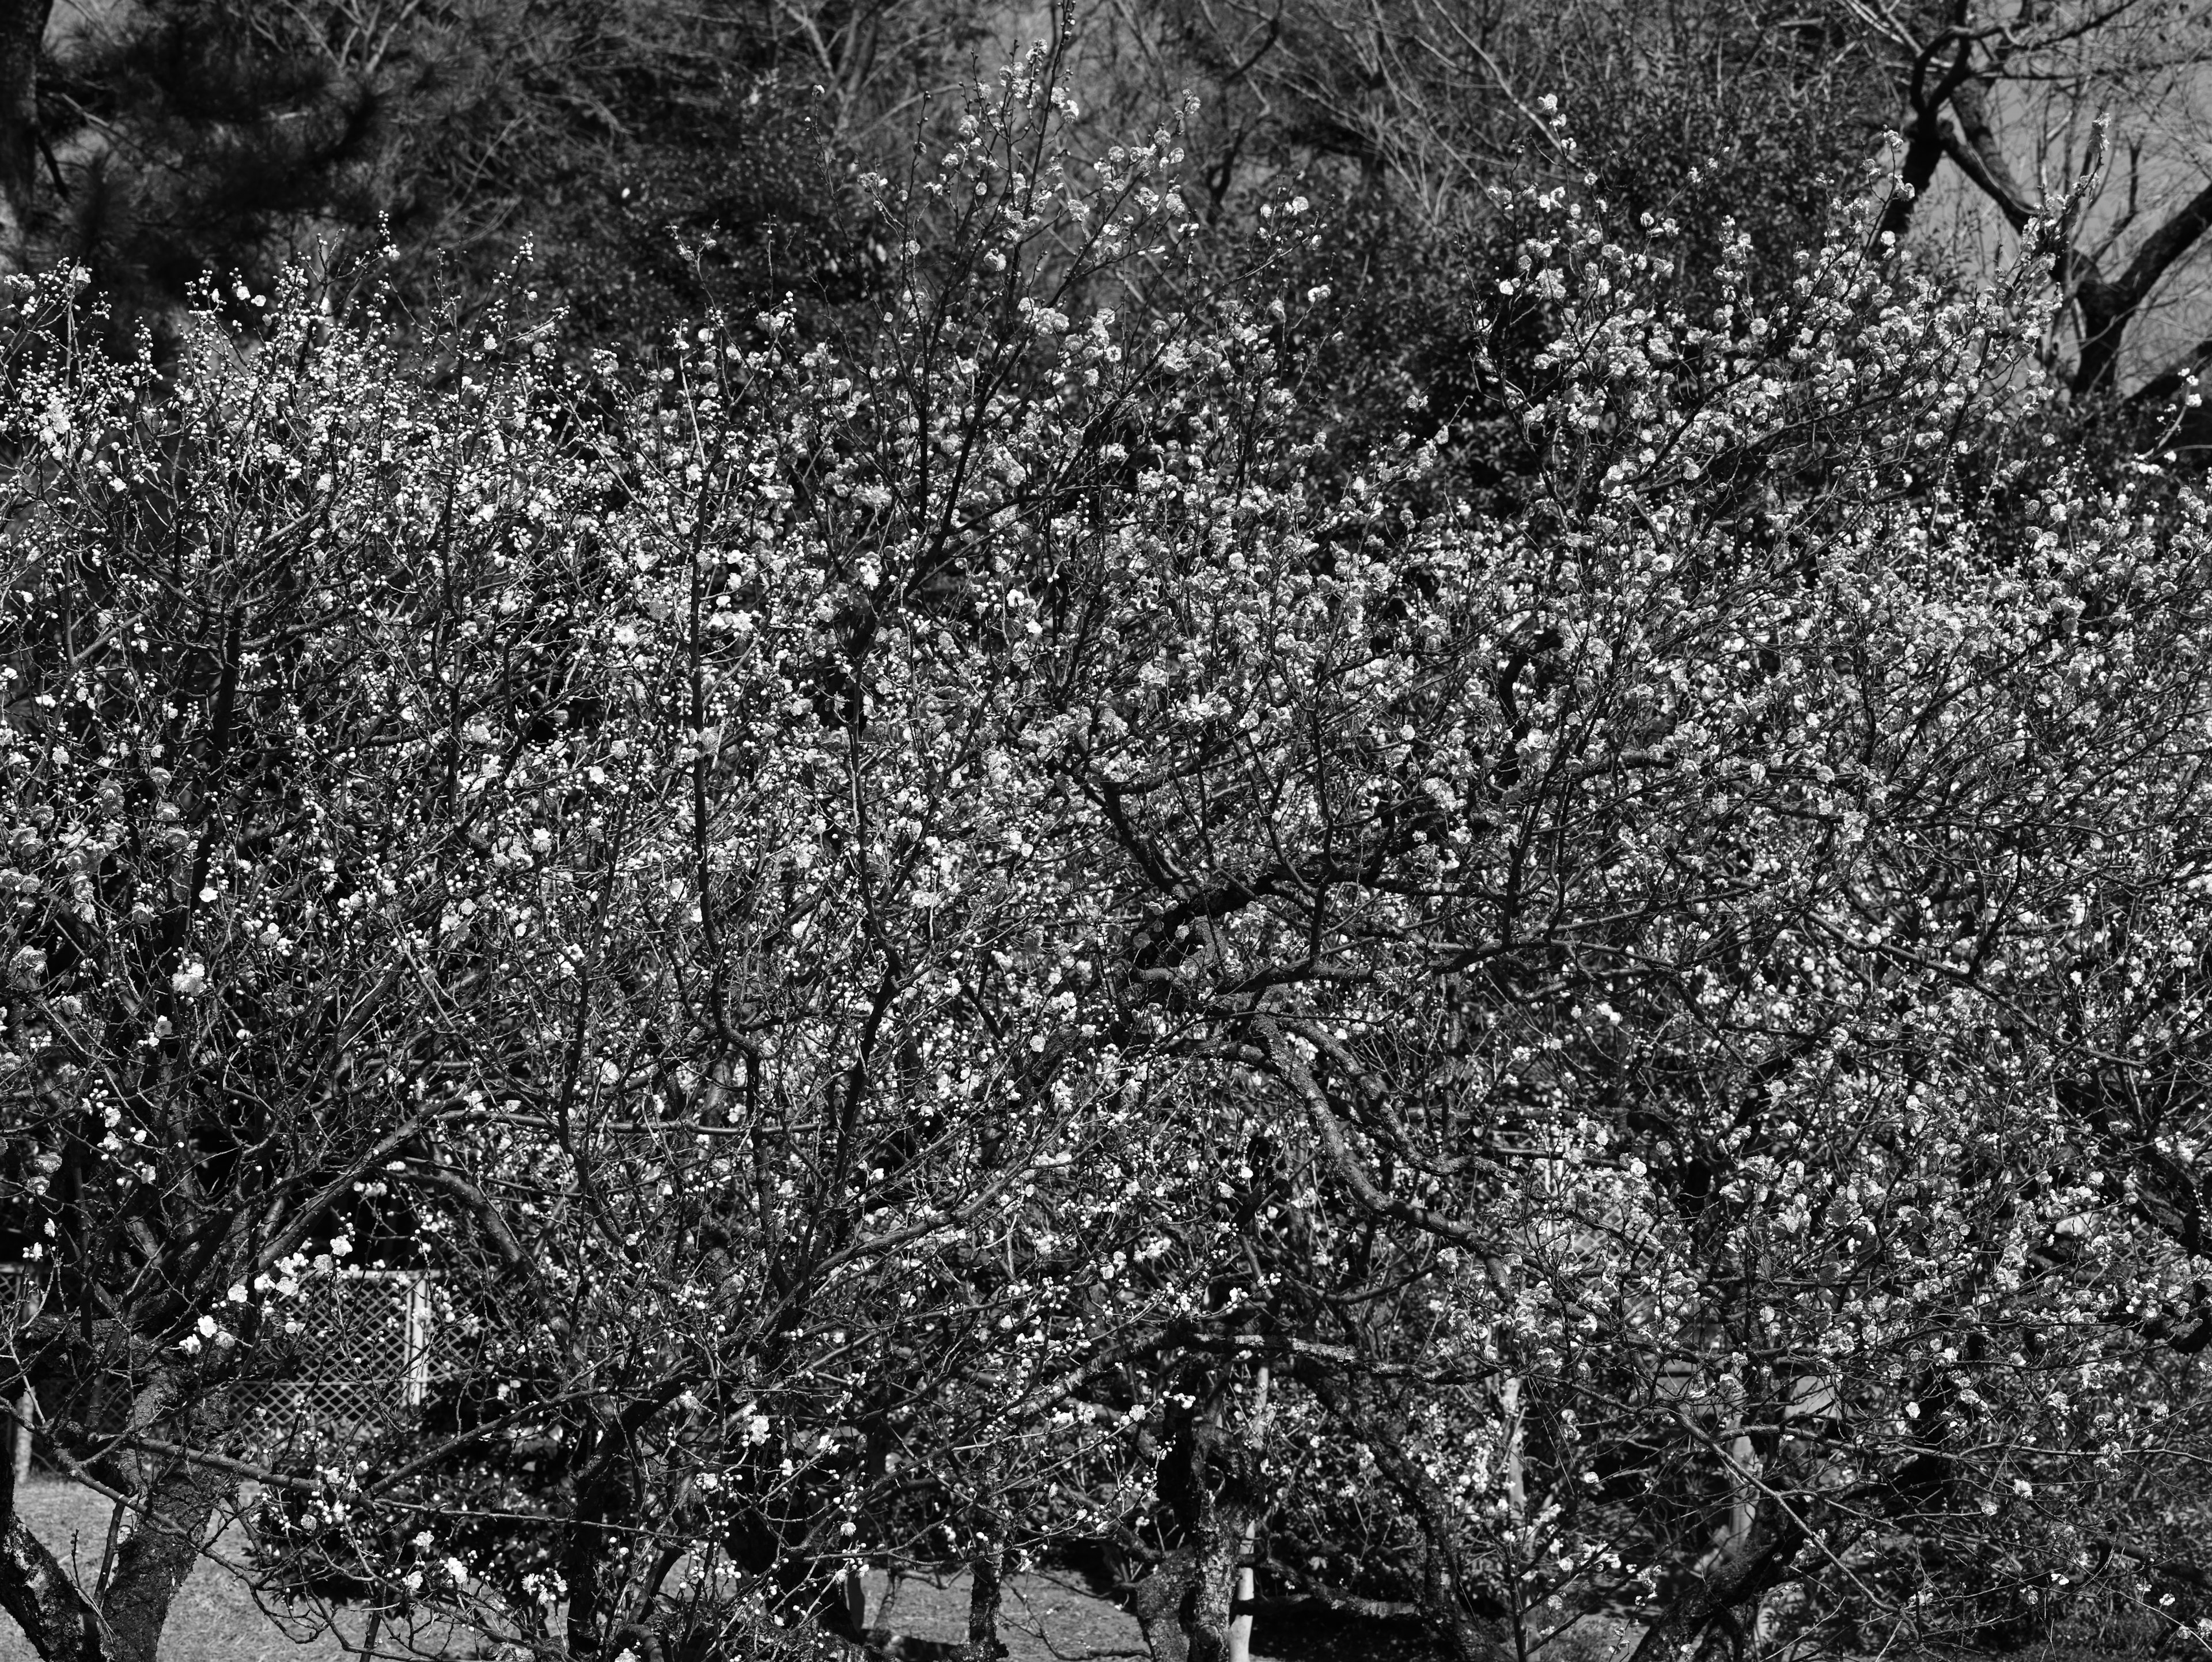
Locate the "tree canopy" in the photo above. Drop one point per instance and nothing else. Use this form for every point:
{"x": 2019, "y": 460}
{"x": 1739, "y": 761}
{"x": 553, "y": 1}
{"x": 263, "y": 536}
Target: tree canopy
{"x": 977, "y": 938}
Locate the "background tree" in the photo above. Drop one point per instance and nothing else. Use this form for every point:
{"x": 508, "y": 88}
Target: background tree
{"x": 660, "y": 157}
{"x": 2008, "y": 95}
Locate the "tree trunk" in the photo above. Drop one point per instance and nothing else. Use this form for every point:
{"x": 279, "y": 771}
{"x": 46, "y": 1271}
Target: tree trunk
{"x": 1157, "y": 1603}
{"x": 1247, "y": 1580}
{"x": 172, "y": 1502}
{"x": 1925, "y": 137}
{"x": 1214, "y": 1482}
{"x": 985, "y": 1593}
{"x": 1743, "y": 1462}
{"x": 61, "y": 1625}
{"x": 1746, "y": 1569}
{"x": 1206, "y": 1617}
{"x": 24, "y": 1408}
{"x": 1451, "y": 1597}
{"x": 1923, "y": 151}
{"x": 600, "y": 1491}
{"x": 179, "y": 1506}
{"x": 22, "y": 27}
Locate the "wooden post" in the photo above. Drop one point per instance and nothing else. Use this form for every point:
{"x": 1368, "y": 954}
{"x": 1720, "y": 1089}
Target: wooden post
{"x": 1744, "y": 1482}
{"x": 1247, "y": 1581}
{"x": 1516, "y": 1491}
{"x": 25, "y": 1409}
{"x": 856, "y": 1598}
{"x": 1514, "y": 1538}
{"x": 24, "y": 1301}
{"x": 416, "y": 1290}
{"x": 1743, "y": 1475}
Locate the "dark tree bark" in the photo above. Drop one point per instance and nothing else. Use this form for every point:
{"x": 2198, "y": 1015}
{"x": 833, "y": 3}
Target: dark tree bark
{"x": 1454, "y": 1598}
{"x": 602, "y": 1488}
{"x": 2108, "y": 306}
{"x": 1213, "y": 1482}
{"x": 23, "y": 27}
{"x": 60, "y": 1623}
{"x": 171, "y": 1502}
{"x": 1157, "y": 1603}
{"x": 1950, "y": 120}
{"x": 1927, "y": 134}
{"x": 179, "y": 1505}
{"x": 986, "y": 1593}
{"x": 1750, "y": 1566}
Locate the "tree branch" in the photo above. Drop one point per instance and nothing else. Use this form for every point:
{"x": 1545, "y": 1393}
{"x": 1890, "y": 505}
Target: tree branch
{"x": 60, "y": 1622}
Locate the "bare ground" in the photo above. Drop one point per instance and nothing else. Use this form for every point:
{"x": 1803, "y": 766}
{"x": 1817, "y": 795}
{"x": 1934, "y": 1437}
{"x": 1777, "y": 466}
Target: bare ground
{"x": 216, "y": 1619}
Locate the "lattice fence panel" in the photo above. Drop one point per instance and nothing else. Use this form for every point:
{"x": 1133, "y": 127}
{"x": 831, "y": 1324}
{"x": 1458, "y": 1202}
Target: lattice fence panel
{"x": 368, "y": 1347}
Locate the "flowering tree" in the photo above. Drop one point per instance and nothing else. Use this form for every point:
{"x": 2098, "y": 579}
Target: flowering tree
{"x": 894, "y": 921}
{"x": 628, "y": 875}
{"x": 202, "y": 1041}
{"x": 1696, "y": 923}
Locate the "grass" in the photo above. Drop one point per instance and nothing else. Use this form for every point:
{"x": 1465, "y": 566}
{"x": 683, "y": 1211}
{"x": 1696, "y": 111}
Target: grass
{"x": 214, "y": 1619}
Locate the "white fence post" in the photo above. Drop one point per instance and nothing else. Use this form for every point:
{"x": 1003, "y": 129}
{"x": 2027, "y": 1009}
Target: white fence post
{"x": 24, "y": 1301}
